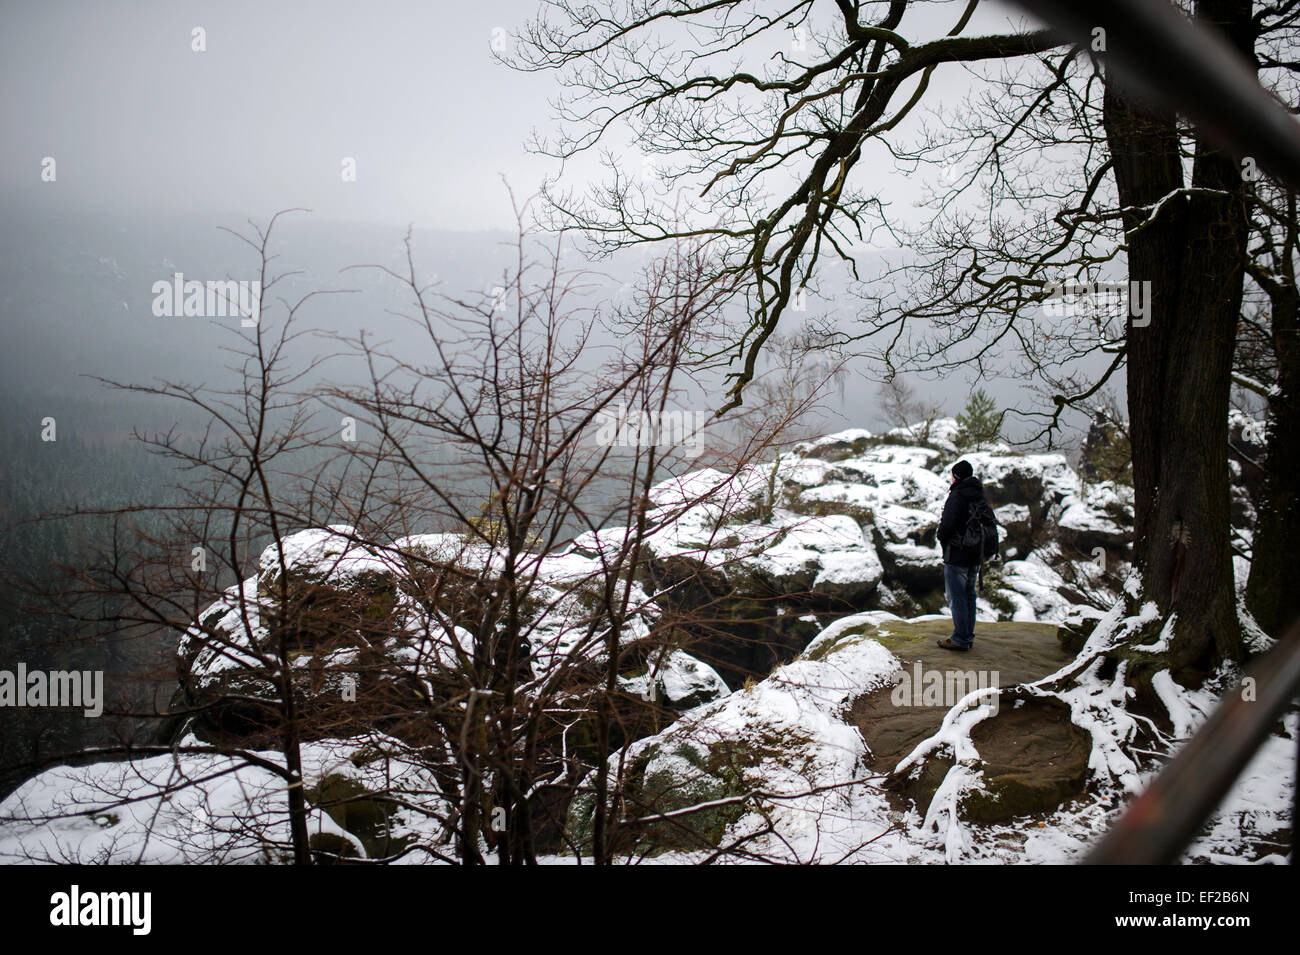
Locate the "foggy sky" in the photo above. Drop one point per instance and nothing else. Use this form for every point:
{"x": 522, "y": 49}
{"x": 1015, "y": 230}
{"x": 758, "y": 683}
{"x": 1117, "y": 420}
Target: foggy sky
{"x": 285, "y": 90}
{"x": 142, "y": 125}
{"x": 264, "y": 117}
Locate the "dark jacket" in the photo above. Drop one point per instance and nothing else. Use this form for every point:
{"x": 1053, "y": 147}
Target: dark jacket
{"x": 955, "y": 512}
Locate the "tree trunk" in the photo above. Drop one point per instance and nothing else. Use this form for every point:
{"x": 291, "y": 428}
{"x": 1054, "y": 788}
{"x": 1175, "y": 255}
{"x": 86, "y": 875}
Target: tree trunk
{"x": 1271, "y": 595}
{"x": 1180, "y": 366}
{"x": 290, "y": 743}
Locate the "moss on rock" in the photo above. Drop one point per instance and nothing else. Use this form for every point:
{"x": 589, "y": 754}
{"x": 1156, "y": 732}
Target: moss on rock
{"x": 366, "y": 815}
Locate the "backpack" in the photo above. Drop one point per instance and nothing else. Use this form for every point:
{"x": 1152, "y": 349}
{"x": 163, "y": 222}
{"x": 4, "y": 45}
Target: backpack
{"x": 981, "y": 531}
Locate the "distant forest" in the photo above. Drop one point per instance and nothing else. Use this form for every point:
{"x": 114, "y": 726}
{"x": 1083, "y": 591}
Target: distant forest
{"x": 92, "y": 464}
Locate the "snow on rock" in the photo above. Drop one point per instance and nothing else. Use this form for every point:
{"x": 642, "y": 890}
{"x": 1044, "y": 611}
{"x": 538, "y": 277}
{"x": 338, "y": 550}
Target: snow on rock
{"x": 678, "y": 679}
{"x": 1034, "y": 583}
{"x": 1101, "y": 516}
{"x": 757, "y": 528}
{"x": 786, "y": 736}
{"x": 208, "y": 808}
{"x": 902, "y": 524}
{"x": 831, "y": 447}
{"x": 330, "y": 552}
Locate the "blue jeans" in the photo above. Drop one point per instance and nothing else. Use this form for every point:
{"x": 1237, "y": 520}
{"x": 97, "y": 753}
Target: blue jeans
{"x": 959, "y": 585}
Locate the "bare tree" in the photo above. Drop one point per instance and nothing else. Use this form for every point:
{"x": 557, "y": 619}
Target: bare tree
{"x": 239, "y": 481}
{"x": 727, "y": 134}
{"x": 901, "y": 408}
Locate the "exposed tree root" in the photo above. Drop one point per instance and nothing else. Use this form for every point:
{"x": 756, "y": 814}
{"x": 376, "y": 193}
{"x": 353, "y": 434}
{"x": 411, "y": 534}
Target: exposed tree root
{"x": 1123, "y": 661}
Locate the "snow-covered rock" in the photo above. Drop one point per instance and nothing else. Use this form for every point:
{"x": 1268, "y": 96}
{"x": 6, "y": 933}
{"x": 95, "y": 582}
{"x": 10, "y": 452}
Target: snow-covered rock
{"x": 781, "y": 530}
{"x": 678, "y": 680}
{"x": 152, "y": 810}
{"x": 787, "y": 735}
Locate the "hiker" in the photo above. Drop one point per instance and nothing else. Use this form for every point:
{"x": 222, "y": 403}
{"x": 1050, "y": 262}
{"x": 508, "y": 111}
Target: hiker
{"x": 962, "y": 556}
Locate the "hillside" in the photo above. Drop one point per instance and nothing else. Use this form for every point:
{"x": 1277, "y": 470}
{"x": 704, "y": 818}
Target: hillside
{"x": 778, "y": 694}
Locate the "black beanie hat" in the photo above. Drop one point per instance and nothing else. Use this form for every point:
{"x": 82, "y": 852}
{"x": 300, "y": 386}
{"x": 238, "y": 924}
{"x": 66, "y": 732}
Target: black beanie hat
{"x": 963, "y": 470}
